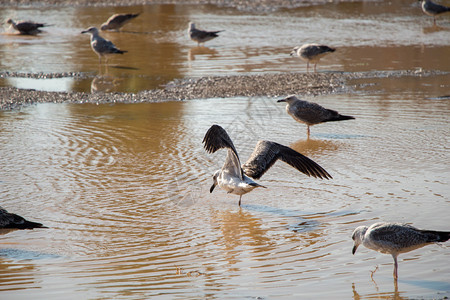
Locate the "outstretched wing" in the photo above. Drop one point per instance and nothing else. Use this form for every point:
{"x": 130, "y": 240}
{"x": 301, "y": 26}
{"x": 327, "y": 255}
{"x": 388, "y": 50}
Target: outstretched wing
{"x": 267, "y": 153}
{"x": 217, "y": 138}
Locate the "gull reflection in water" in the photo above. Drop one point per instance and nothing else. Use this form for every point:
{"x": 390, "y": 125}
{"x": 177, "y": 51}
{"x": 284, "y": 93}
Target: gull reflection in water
{"x": 201, "y": 50}
{"x": 311, "y": 146}
{"x": 104, "y": 83}
{"x": 434, "y": 28}
{"x": 395, "y": 295}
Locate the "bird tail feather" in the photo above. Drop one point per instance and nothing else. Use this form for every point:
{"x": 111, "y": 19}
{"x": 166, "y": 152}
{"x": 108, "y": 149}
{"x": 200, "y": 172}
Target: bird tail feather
{"x": 437, "y": 236}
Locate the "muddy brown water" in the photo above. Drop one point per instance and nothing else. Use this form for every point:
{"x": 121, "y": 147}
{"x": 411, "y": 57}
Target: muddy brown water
{"x": 124, "y": 188}
{"x": 368, "y": 36}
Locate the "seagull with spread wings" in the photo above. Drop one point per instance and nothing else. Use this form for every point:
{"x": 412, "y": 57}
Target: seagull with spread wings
{"x": 237, "y": 179}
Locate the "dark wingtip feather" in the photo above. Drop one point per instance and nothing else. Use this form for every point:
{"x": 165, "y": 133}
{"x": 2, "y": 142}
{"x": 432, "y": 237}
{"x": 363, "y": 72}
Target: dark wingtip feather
{"x": 29, "y": 225}
{"x": 342, "y": 118}
{"x": 443, "y": 236}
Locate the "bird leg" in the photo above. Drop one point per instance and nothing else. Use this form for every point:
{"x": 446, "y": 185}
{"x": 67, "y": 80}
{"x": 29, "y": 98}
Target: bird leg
{"x": 373, "y": 272}
{"x": 240, "y": 197}
{"x": 395, "y": 268}
{"x": 307, "y": 67}
{"x": 308, "y": 131}
{"x": 315, "y": 67}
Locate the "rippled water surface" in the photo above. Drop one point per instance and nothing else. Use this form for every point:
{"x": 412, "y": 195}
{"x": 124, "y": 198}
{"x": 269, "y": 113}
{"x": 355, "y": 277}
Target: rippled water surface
{"x": 124, "y": 190}
{"x": 374, "y": 35}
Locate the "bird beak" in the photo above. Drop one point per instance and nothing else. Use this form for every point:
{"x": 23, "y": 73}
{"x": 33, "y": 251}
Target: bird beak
{"x": 211, "y": 189}
{"x": 354, "y": 249}
{"x": 84, "y": 31}
{"x": 282, "y": 100}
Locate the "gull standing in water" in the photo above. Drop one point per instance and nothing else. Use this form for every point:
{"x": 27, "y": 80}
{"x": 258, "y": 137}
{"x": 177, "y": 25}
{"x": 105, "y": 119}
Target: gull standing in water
{"x": 26, "y": 27}
{"x": 13, "y": 221}
{"x": 311, "y": 53}
{"x": 201, "y": 36}
{"x": 311, "y": 113}
{"x": 236, "y": 179}
{"x": 100, "y": 45}
{"x": 117, "y": 21}
{"x": 395, "y": 238}
{"x": 433, "y": 9}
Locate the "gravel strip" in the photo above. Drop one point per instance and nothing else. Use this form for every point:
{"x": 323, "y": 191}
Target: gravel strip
{"x": 267, "y": 85}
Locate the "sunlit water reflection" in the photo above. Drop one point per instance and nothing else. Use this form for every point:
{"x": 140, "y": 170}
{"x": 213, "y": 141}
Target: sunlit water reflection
{"x": 369, "y": 35}
{"x": 124, "y": 190}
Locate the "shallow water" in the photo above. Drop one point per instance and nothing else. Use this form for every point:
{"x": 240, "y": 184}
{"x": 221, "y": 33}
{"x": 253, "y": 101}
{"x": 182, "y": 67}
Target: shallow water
{"x": 368, "y": 36}
{"x": 124, "y": 190}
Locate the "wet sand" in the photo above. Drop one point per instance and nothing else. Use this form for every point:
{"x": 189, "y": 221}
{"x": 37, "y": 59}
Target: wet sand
{"x": 269, "y": 85}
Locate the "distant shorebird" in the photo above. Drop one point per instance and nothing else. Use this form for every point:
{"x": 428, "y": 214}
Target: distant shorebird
{"x": 117, "y": 21}
{"x": 311, "y": 113}
{"x": 13, "y": 221}
{"x": 311, "y": 53}
{"x": 394, "y": 239}
{"x": 433, "y": 9}
{"x": 201, "y": 36}
{"x": 100, "y": 45}
{"x": 235, "y": 178}
{"x": 26, "y": 27}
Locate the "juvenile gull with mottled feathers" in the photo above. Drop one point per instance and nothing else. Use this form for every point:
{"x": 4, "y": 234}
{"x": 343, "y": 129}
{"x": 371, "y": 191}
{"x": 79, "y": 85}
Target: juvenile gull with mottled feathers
{"x": 26, "y": 27}
{"x": 311, "y": 113}
{"x": 117, "y": 21}
{"x": 201, "y": 36}
{"x": 395, "y": 238}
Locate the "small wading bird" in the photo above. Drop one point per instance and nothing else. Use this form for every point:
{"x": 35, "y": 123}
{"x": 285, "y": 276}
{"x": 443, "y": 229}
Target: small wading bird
{"x": 394, "y": 239}
{"x": 13, "y": 221}
{"x": 433, "y": 9}
{"x": 117, "y": 21}
{"x": 235, "y": 179}
{"x": 311, "y": 53}
{"x": 26, "y": 27}
{"x": 201, "y": 36}
{"x": 311, "y": 113}
{"x": 101, "y": 46}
